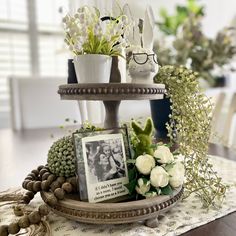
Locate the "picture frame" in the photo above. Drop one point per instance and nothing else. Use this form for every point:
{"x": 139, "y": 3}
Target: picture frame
{"x": 101, "y": 158}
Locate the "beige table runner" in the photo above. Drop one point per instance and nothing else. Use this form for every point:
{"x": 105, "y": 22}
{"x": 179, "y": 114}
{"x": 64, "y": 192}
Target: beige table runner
{"x": 187, "y": 215}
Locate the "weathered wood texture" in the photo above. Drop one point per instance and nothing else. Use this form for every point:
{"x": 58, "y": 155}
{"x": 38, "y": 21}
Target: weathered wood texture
{"x": 115, "y": 213}
{"x": 111, "y": 91}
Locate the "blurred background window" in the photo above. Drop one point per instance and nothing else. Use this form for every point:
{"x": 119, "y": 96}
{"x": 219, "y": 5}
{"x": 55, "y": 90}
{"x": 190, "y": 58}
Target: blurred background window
{"x": 31, "y": 44}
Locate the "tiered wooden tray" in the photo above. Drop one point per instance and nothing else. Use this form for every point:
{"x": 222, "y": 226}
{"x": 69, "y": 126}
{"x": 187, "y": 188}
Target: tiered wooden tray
{"x": 114, "y": 213}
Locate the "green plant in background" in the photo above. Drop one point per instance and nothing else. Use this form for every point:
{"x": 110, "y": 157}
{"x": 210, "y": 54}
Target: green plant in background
{"x": 190, "y": 127}
{"x": 169, "y": 24}
{"x": 204, "y": 54}
{"x": 191, "y": 47}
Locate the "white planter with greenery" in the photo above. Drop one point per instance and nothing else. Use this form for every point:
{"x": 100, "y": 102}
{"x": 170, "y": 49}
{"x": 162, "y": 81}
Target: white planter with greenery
{"x": 93, "y": 68}
{"x": 94, "y": 42}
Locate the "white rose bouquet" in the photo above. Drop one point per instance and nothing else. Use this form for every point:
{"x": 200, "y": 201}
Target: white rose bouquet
{"x": 156, "y": 175}
{"x": 86, "y": 33}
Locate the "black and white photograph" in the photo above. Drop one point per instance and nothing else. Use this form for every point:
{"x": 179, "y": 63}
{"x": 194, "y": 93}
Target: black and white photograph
{"x": 105, "y": 160}
{"x": 102, "y": 164}
{"x": 105, "y": 166}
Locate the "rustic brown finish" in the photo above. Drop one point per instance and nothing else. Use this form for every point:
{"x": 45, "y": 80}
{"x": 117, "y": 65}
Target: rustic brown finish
{"x": 115, "y": 213}
{"x": 111, "y": 91}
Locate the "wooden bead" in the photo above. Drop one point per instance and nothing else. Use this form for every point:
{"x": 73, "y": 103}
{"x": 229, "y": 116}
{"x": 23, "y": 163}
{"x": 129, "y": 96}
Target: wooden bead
{"x": 26, "y": 199}
{"x": 30, "y": 194}
{"x": 43, "y": 210}
{"x": 45, "y": 175}
{"x": 40, "y": 167}
{"x": 42, "y": 171}
{"x": 45, "y": 185}
{"x": 51, "y": 178}
{"x": 61, "y": 180}
{"x": 30, "y": 185}
{"x": 4, "y": 230}
{"x": 18, "y": 211}
{"x": 73, "y": 182}
{"x": 24, "y": 222}
{"x": 36, "y": 172}
{"x": 37, "y": 186}
{"x": 34, "y": 217}
{"x": 54, "y": 185}
{"x": 51, "y": 200}
{"x": 59, "y": 193}
{"x": 24, "y": 184}
{"x": 29, "y": 178}
{"x": 13, "y": 228}
{"x": 67, "y": 187}
{"x": 32, "y": 175}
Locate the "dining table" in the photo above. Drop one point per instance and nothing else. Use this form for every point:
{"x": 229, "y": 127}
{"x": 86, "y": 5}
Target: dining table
{"x": 22, "y": 151}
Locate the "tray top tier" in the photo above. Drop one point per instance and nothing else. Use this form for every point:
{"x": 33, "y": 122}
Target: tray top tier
{"x": 112, "y": 91}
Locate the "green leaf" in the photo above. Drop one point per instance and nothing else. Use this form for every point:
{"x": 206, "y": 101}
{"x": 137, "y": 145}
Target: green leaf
{"x": 131, "y": 186}
{"x": 131, "y": 161}
{"x": 167, "y": 190}
{"x": 167, "y": 167}
{"x": 132, "y": 173}
{"x": 145, "y": 180}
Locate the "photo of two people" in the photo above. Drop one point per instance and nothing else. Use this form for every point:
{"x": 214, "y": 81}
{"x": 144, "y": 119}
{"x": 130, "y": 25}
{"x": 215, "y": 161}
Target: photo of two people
{"x": 105, "y": 160}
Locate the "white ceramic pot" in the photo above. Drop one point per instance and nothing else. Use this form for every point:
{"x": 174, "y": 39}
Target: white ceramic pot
{"x": 93, "y": 68}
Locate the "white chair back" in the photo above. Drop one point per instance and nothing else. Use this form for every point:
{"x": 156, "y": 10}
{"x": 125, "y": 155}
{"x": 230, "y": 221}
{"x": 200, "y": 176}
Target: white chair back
{"x": 35, "y": 103}
{"x": 230, "y": 124}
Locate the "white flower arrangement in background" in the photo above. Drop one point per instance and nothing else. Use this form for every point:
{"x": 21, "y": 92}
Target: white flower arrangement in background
{"x": 86, "y": 33}
{"x": 159, "y": 174}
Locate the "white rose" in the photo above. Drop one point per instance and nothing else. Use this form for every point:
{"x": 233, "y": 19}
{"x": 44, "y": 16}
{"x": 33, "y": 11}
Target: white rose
{"x": 143, "y": 186}
{"x": 145, "y": 163}
{"x": 176, "y": 174}
{"x": 163, "y": 155}
{"x": 159, "y": 177}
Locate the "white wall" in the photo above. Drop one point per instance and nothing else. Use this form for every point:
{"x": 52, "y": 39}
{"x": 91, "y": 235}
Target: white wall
{"x": 218, "y": 13}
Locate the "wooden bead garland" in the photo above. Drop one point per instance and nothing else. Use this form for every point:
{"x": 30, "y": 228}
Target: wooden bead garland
{"x": 39, "y": 179}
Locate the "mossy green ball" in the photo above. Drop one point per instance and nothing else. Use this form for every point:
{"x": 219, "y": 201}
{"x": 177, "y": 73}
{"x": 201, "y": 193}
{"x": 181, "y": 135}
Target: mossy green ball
{"x": 61, "y": 157}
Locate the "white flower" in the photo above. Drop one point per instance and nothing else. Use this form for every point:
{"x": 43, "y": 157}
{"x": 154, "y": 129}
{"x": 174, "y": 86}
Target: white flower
{"x": 81, "y": 17}
{"x": 163, "y": 155}
{"x": 143, "y": 186}
{"x": 176, "y": 174}
{"x": 66, "y": 19}
{"x": 150, "y": 194}
{"x": 145, "y": 163}
{"x": 71, "y": 47}
{"x": 125, "y": 20}
{"x": 159, "y": 177}
{"x": 78, "y": 47}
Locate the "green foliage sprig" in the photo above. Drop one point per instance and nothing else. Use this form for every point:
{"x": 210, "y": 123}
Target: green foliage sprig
{"x": 190, "y": 127}
{"x": 169, "y": 24}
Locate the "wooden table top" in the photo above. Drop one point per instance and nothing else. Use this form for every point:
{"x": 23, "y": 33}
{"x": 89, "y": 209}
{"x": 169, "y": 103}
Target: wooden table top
{"x": 20, "y": 152}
